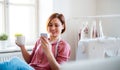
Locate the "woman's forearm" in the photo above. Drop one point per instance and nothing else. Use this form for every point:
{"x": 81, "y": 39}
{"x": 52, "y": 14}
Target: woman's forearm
{"x": 53, "y": 63}
{"x": 25, "y": 54}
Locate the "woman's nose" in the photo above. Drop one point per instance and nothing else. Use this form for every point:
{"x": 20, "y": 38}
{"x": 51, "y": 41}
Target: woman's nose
{"x": 53, "y": 27}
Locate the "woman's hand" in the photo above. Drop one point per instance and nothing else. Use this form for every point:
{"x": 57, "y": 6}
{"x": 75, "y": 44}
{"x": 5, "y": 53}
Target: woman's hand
{"x": 45, "y": 44}
{"x": 19, "y": 44}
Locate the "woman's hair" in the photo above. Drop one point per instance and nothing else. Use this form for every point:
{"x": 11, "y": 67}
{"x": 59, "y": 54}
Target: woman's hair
{"x": 60, "y": 17}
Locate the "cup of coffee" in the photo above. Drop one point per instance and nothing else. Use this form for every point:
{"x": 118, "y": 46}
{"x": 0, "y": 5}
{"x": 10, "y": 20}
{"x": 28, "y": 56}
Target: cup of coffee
{"x": 20, "y": 40}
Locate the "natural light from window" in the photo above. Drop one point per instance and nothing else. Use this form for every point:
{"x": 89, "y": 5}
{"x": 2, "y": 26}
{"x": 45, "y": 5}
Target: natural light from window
{"x": 27, "y": 17}
{"x": 1, "y": 18}
{"x": 22, "y": 19}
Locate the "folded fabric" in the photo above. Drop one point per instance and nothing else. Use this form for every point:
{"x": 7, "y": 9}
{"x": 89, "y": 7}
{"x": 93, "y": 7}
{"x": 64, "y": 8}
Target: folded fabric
{"x": 15, "y": 64}
{"x": 111, "y": 53}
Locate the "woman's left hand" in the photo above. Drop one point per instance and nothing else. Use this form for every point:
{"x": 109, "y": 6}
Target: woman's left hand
{"x": 45, "y": 44}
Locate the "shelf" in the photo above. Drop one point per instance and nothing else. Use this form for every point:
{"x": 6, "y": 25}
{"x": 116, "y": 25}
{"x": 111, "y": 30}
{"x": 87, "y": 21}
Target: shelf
{"x": 14, "y": 49}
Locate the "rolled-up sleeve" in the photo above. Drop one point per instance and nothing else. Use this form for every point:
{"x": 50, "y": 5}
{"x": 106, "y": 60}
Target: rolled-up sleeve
{"x": 64, "y": 51}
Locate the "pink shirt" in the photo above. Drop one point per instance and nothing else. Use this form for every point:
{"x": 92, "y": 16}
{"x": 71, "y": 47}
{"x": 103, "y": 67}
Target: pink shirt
{"x": 39, "y": 60}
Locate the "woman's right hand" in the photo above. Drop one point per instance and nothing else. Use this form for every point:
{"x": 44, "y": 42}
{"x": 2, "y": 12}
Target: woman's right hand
{"x": 19, "y": 44}
{"x": 45, "y": 44}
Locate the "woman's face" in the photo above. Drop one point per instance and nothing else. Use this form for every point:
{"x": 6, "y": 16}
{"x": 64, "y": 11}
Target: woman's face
{"x": 55, "y": 27}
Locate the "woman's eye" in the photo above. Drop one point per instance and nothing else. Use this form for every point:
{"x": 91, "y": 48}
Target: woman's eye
{"x": 57, "y": 25}
{"x": 50, "y": 25}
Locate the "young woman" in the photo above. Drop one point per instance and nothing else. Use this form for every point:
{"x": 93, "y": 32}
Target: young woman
{"x": 49, "y": 53}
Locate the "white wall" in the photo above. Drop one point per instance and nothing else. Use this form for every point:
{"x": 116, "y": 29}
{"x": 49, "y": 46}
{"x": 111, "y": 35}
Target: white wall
{"x": 77, "y": 8}
{"x": 45, "y": 10}
{"x": 62, "y": 6}
{"x": 74, "y": 8}
{"x": 109, "y": 7}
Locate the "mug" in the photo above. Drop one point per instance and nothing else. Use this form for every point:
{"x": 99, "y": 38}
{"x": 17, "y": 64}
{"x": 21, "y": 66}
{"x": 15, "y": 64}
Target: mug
{"x": 20, "y": 40}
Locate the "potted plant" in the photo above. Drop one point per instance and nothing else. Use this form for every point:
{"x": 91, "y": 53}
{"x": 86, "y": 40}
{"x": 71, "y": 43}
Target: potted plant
{"x": 3, "y": 37}
{"x": 3, "y": 40}
{"x": 18, "y": 34}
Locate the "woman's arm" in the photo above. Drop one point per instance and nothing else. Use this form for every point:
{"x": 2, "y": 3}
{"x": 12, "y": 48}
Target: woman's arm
{"x": 25, "y": 54}
{"x": 47, "y": 48}
{"x": 53, "y": 63}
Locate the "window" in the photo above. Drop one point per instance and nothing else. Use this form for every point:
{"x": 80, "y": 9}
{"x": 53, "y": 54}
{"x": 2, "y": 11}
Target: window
{"x": 1, "y": 17}
{"x": 19, "y": 16}
{"x": 22, "y": 19}
{"x": 27, "y": 17}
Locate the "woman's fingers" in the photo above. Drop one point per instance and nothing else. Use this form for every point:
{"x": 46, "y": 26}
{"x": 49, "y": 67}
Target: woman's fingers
{"x": 45, "y": 44}
{"x": 43, "y": 41}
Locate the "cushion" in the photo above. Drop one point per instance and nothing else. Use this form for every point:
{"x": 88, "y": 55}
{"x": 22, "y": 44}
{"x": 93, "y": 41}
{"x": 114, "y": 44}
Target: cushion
{"x": 15, "y": 64}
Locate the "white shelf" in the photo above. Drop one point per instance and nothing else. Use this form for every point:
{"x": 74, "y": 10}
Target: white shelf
{"x": 14, "y": 49}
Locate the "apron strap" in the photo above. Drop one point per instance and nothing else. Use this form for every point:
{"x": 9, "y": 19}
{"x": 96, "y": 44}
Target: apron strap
{"x": 56, "y": 48}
